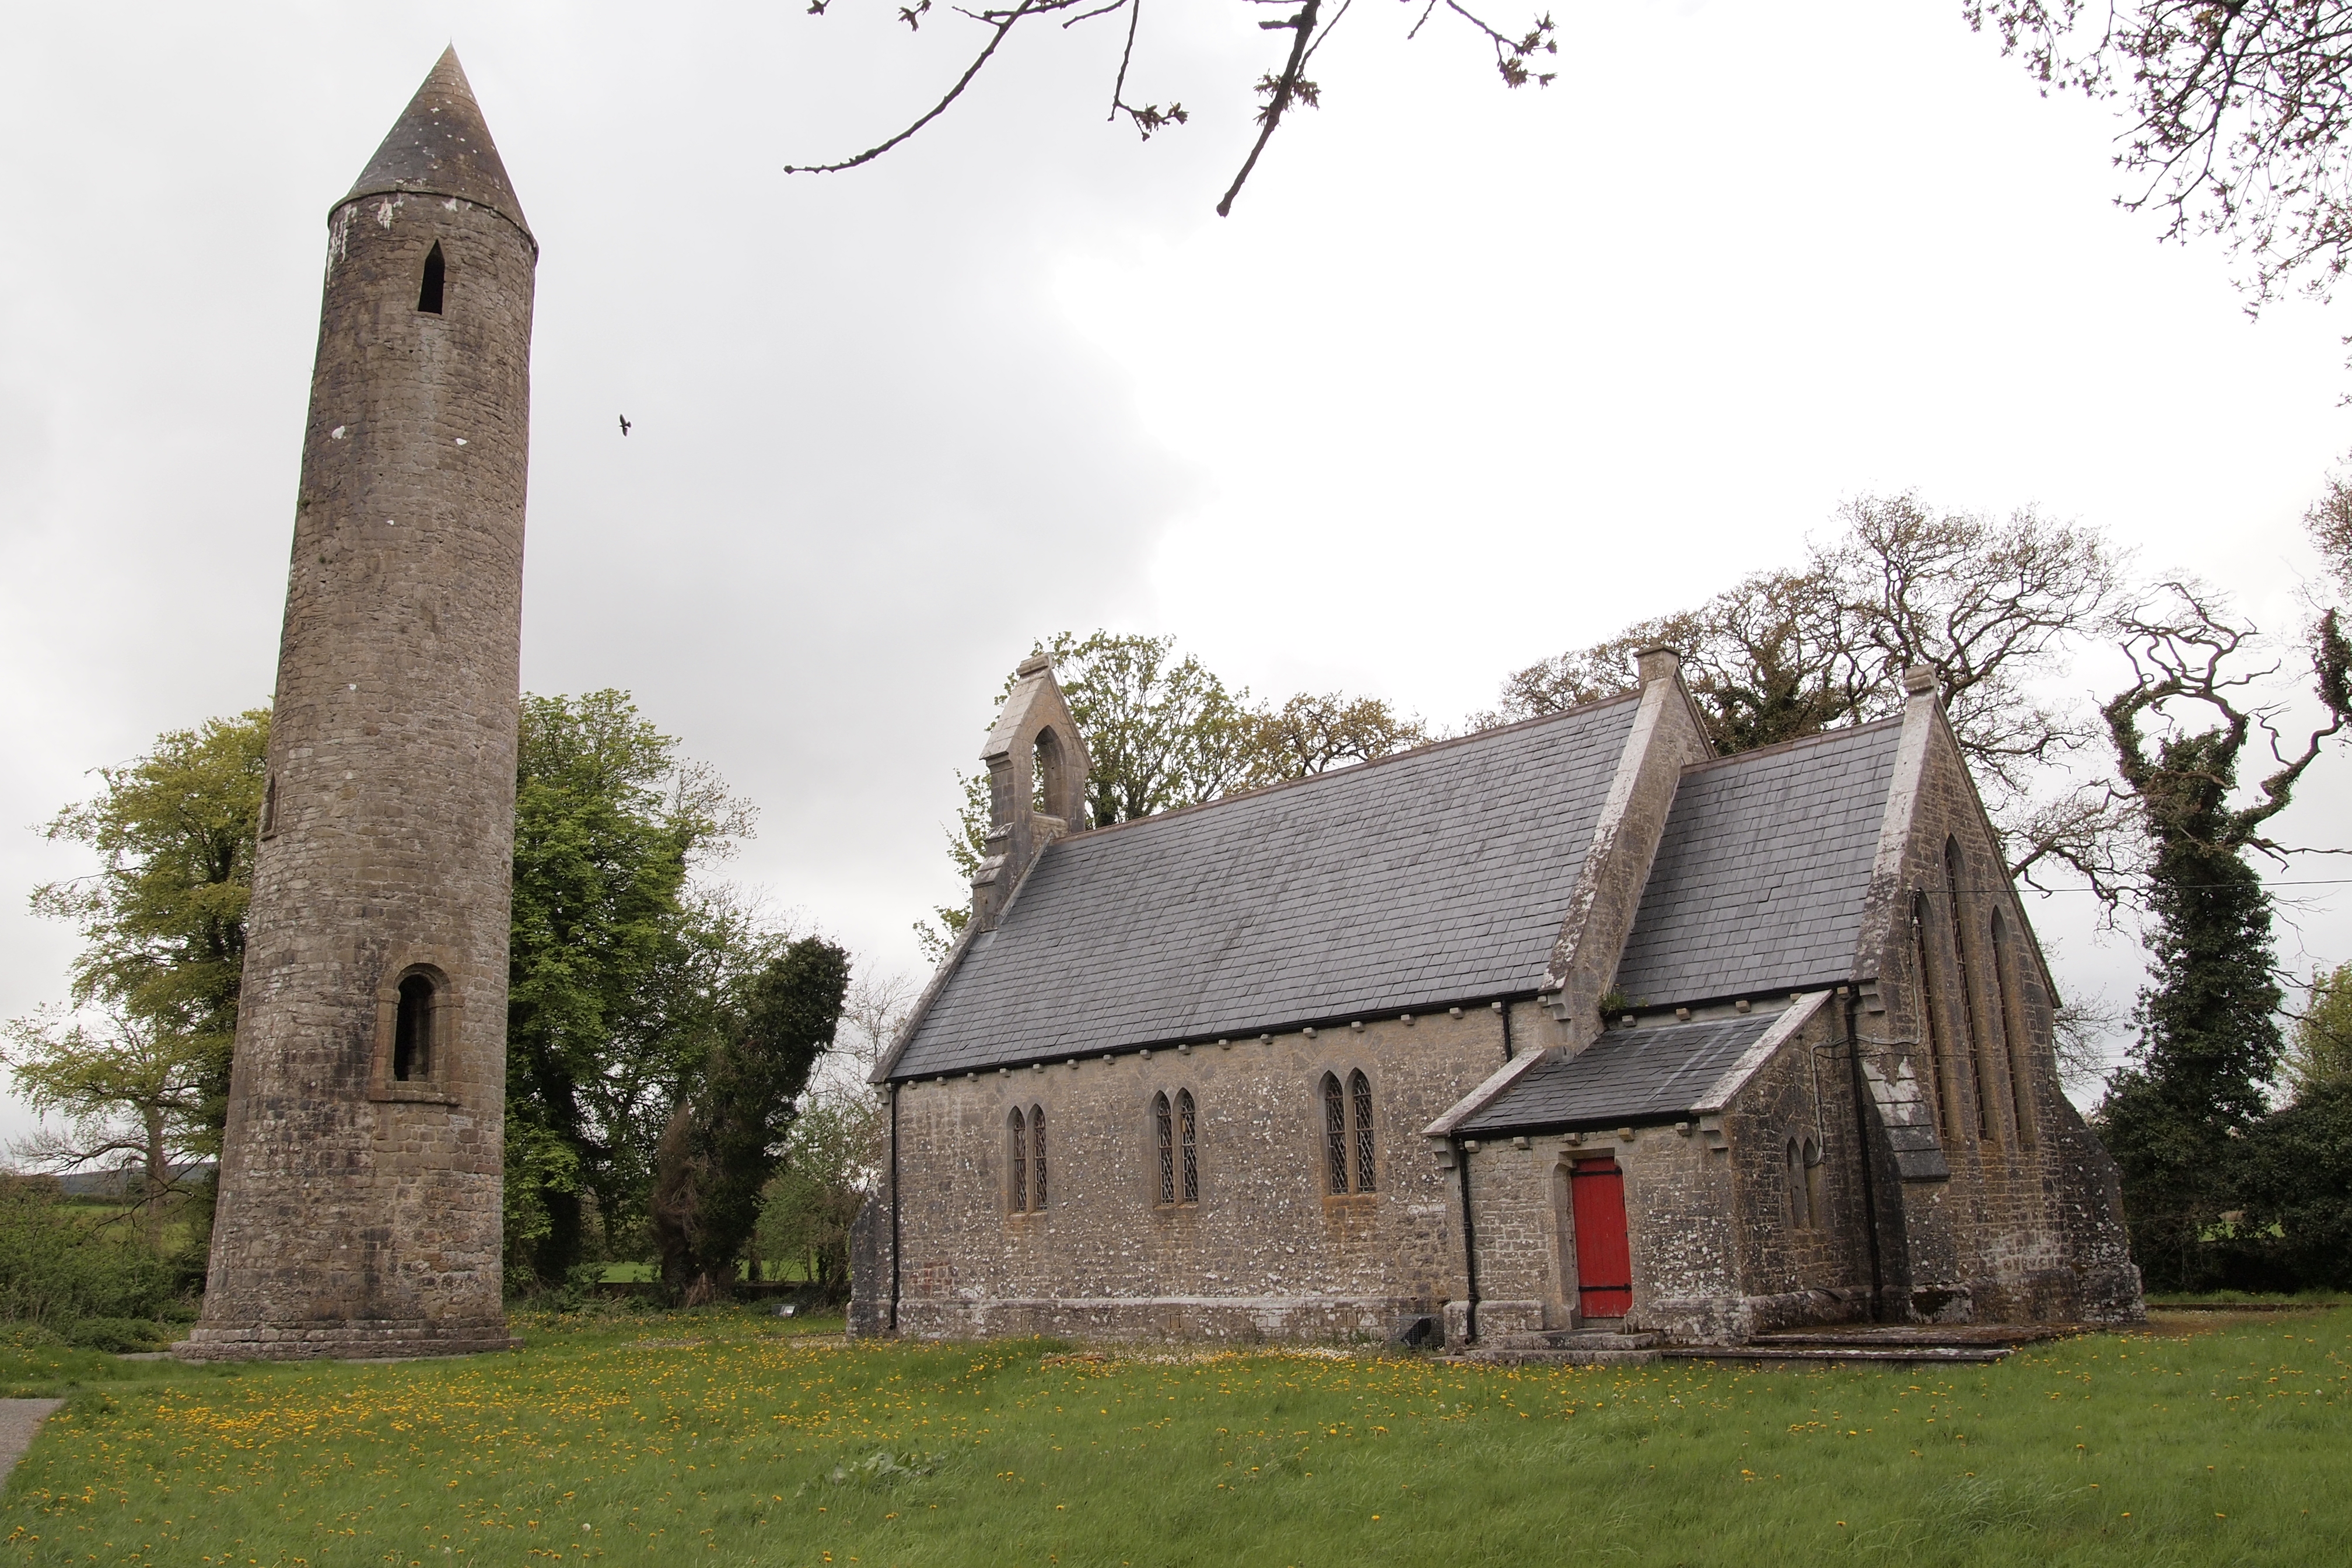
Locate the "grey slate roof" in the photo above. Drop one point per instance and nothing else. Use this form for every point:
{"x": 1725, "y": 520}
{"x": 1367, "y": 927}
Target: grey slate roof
{"x": 1758, "y": 881}
{"x": 1626, "y": 1076}
{"x": 1438, "y": 876}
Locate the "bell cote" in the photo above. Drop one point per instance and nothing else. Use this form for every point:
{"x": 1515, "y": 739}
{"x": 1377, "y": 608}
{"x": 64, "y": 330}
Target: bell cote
{"x": 1036, "y": 785}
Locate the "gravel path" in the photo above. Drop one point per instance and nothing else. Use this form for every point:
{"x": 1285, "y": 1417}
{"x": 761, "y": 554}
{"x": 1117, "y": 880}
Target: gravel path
{"x": 19, "y": 1420}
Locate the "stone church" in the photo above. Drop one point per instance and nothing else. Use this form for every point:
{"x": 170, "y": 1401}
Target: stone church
{"x": 1569, "y": 1025}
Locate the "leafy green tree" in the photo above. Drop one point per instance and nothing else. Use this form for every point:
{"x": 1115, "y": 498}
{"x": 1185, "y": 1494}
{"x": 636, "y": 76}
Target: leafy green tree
{"x": 2320, "y": 1048}
{"x": 1312, "y": 734}
{"x": 163, "y": 919}
{"x": 132, "y": 1092}
{"x": 2209, "y": 1044}
{"x": 723, "y": 1140}
{"x": 619, "y": 968}
{"x": 2293, "y": 1187}
{"x": 833, "y": 1159}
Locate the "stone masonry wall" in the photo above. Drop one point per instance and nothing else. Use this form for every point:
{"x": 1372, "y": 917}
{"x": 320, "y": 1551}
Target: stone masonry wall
{"x": 1716, "y": 1255}
{"x": 1266, "y": 1253}
{"x": 359, "y": 1215}
{"x": 2028, "y": 1225}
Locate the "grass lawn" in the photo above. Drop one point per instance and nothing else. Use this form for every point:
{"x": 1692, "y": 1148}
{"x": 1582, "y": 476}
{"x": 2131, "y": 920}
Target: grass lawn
{"x": 731, "y": 1438}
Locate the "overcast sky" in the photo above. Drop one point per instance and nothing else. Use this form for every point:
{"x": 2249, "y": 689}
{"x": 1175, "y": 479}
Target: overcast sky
{"x": 1470, "y": 377}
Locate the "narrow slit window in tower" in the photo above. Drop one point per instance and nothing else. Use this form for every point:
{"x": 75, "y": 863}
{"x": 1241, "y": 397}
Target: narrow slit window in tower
{"x": 412, "y": 1032}
{"x": 428, "y": 294}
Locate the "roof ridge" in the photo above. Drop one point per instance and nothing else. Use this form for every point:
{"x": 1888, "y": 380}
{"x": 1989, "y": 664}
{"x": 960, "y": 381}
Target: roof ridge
{"x": 1818, "y": 738}
{"x": 1357, "y": 769}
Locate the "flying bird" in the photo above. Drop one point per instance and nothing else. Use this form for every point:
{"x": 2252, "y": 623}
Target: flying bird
{"x": 625, "y": 424}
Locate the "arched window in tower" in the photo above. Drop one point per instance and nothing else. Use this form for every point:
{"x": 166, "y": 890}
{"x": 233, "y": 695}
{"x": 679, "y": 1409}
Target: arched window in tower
{"x": 1036, "y": 1158}
{"x": 1046, "y": 776}
{"x": 1360, "y": 1097}
{"x": 428, "y": 292}
{"x": 1794, "y": 1170}
{"x": 412, "y": 1031}
{"x": 1164, "y": 1124}
{"x": 1187, "y": 1135}
{"x": 1335, "y": 1134}
{"x": 2012, "y": 1029}
{"x": 1979, "y": 1063}
{"x": 1017, "y": 1143}
{"x": 1931, "y": 1029}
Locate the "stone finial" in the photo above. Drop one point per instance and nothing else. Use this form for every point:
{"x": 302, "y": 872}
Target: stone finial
{"x": 1657, "y": 664}
{"x": 1036, "y": 664}
{"x": 1919, "y": 680}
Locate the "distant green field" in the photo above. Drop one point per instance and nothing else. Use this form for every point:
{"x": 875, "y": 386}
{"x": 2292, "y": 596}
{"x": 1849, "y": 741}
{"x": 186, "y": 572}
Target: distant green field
{"x": 727, "y": 1438}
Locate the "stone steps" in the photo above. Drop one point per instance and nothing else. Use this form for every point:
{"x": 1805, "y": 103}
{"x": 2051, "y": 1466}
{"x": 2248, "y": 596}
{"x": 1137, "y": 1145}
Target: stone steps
{"x": 1760, "y": 1351}
{"x": 1567, "y": 1347}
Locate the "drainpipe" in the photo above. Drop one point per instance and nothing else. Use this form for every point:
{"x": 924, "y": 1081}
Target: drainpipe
{"x": 1469, "y": 1244}
{"x": 1504, "y": 1008}
{"x": 1862, "y": 1149}
{"x": 894, "y": 1208}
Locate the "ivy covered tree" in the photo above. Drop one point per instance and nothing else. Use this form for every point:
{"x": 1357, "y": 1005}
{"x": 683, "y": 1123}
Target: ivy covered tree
{"x": 162, "y": 919}
{"x": 2210, "y": 1045}
{"x": 727, "y": 1133}
{"x": 621, "y": 970}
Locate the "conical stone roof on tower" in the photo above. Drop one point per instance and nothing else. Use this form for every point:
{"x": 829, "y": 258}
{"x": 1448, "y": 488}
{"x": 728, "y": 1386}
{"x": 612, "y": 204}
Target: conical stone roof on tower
{"x": 441, "y": 147}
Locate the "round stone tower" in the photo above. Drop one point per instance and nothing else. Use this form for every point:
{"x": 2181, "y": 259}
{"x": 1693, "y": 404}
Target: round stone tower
{"x": 360, "y": 1182}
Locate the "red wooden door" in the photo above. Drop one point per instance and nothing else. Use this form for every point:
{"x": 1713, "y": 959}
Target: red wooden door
{"x": 1604, "y": 1262}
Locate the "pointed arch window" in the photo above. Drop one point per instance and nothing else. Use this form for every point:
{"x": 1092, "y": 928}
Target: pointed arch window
{"x": 1979, "y": 1063}
{"x": 1349, "y": 1162}
{"x": 1163, "y": 1123}
{"x": 1036, "y": 1158}
{"x": 1931, "y": 1029}
{"x": 2014, "y": 1040}
{"x": 1335, "y": 1134}
{"x": 428, "y": 289}
{"x": 1359, "y": 1099}
{"x": 1188, "y": 1132}
{"x": 1017, "y": 1143}
{"x": 1799, "y": 1207}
